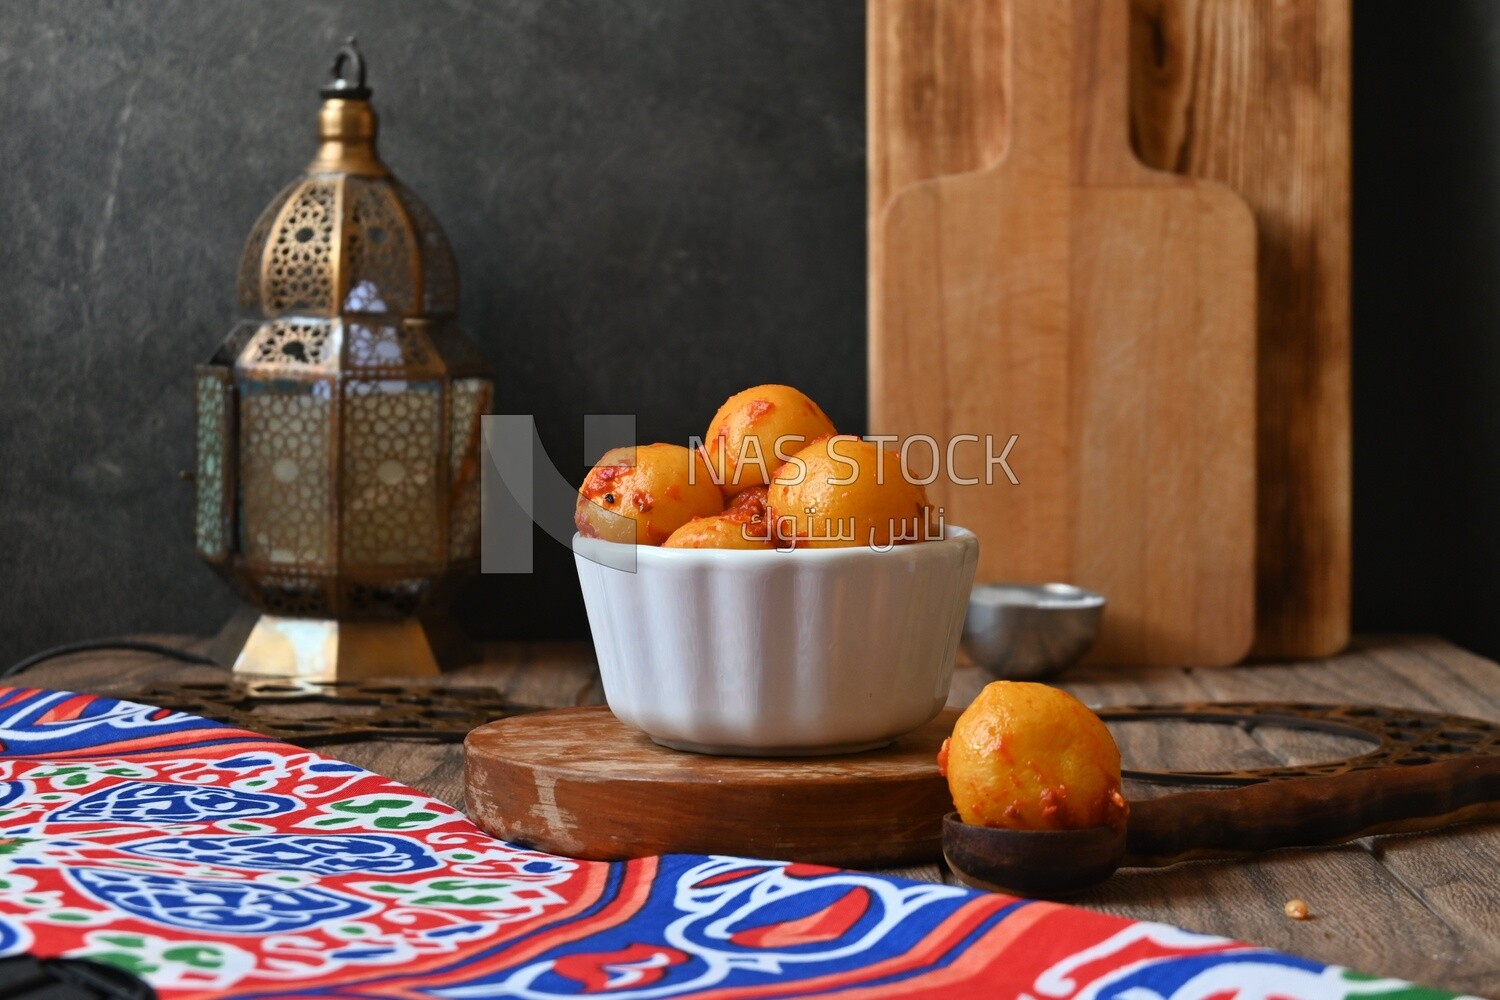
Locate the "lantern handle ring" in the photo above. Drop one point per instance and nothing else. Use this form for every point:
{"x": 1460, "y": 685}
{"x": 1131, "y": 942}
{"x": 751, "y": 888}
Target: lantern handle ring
{"x": 348, "y": 73}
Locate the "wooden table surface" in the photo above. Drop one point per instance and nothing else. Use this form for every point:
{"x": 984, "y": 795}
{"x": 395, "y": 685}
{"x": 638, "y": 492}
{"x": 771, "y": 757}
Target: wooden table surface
{"x": 1425, "y": 907}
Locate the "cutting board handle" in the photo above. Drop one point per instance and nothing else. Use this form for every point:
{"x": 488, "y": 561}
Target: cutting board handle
{"x": 1102, "y": 154}
{"x": 1039, "y": 68}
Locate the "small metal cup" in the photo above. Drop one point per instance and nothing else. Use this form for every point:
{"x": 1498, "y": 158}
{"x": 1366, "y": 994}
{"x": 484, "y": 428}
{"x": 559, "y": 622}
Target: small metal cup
{"x": 1030, "y": 632}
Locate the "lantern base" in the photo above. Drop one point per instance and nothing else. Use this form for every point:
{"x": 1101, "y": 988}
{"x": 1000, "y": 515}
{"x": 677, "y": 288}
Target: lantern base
{"x": 324, "y": 649}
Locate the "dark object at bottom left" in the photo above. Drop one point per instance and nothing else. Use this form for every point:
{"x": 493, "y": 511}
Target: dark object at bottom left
{"x": 315, "y": 713}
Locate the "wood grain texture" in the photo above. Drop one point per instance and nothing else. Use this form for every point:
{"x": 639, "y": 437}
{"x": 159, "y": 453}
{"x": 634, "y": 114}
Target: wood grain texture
{"x": 930, "y": 65}
{"x": 1046, "y": 864}
{"x": 1425, "y": 907}
{"x": 988, "y": 251}
{"x": 1361, "y": 905}
{"x": 580, "y": 782}
{"x": 1252, "y": 93}
{"x": 545, "y": 674}
{"x": 1104, "y": 314}
{"x": 1219, "y": 823}
{"x": 1255, "y": 94}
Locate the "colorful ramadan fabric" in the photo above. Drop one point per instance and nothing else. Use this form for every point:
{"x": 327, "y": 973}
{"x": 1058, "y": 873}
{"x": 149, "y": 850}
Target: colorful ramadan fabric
{"x": 217, "y": 863}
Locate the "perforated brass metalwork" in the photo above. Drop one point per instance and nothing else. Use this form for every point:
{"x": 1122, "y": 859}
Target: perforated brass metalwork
{"x": 338, "y": 424}
{"x": 340, "y": 244}
{"x": 316, "y": 713}
{"x": 295, "y": 343}
{"x": 1400, "y": 737}
{"x": 298, "y": 260}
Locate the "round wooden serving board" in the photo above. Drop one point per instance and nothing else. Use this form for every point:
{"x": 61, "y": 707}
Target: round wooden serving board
{"x": 580, "y": 783}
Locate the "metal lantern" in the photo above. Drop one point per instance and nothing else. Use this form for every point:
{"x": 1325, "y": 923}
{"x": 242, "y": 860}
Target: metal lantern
{"x": 339, "y": 424}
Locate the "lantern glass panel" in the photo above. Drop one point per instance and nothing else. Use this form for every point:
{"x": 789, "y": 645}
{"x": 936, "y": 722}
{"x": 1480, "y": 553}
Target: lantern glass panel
{"x": 286, "y": 472}
{"x": 392, "y": 458}
{"x": 470, "y": 400}
{"x": 212, "y": 523}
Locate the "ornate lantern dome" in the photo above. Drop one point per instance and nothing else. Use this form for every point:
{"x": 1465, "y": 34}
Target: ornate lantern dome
{"x": 339, "y": 423}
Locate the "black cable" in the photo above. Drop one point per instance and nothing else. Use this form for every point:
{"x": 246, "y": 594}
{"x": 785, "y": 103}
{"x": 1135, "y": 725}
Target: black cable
{"x": 131, "y": 645}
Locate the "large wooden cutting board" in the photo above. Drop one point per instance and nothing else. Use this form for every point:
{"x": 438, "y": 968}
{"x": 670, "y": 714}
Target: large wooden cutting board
{"x": 1251, "y": 93}
{"x": 1102, "y": 313}
{"x": 937, "y": 97}
{"x": 1255, "y": 94}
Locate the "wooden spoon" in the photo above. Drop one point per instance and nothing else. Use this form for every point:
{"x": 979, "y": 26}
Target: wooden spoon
{"x": 1407, "y": 787}
{"x": 1035, "y": 863}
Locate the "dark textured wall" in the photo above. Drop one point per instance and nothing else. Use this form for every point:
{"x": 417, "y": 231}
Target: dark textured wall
{"x": 654, "y": 203}
{"x": 1427, "y": 318}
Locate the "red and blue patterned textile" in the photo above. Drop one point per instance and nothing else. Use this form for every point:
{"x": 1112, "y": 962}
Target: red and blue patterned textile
{"x": 217, "y": 863}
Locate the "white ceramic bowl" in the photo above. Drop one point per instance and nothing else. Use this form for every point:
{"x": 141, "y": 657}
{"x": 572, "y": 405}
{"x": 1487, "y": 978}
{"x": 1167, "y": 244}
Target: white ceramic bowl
{"x": 766, "y": 653}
